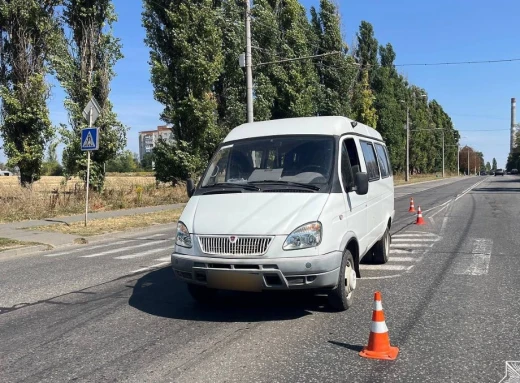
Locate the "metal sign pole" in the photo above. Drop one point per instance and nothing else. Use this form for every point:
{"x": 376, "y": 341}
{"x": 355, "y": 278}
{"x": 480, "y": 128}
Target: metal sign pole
{"x": 88, "y": 171}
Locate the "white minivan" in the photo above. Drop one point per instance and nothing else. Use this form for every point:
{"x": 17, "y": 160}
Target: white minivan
{"x": 288, "y": 204}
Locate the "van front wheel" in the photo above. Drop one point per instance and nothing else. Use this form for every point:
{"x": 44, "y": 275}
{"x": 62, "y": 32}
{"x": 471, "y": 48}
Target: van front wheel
{"x": 382, "y": 249}
{"x": 342, "y": 296}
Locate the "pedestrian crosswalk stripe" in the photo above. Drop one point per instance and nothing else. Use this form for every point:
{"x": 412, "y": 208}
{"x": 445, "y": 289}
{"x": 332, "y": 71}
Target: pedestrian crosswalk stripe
{"x": 163, "y": 259}
{"x": 144, "y": 254}
{"x": 414, "y": 240}
{"x": 403, "y": 259}
{"x": 407, "y": 245}
{"x": 399, "y": 251}
{"x": 77, "y": 250}
{"x": 403, "y": 235}
{"x": 106, "y": 244}
{"x": 149, "y": 268}
{"x": 119, "y": 250}
{"x": 384, "y": 267}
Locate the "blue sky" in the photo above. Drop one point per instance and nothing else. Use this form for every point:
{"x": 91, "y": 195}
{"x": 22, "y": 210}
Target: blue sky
{"x": 477, "y": 97}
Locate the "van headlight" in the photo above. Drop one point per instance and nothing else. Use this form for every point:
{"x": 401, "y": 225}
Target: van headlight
{"x": 183, "y": 237}
{"x": 308, "y": 235}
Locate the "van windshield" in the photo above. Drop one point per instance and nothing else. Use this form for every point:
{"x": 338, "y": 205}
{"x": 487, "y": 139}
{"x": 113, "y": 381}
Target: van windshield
{"x": 297, "y": 159}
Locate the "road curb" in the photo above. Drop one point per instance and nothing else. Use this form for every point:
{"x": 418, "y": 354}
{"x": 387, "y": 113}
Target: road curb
{"x": 24, "y": 251}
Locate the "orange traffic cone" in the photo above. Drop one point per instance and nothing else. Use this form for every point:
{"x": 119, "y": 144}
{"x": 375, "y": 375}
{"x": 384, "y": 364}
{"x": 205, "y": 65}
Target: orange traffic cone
{"x": 412, "y": 207}
{"x": 379, "y": 341}
{"x": 420, "y": 220}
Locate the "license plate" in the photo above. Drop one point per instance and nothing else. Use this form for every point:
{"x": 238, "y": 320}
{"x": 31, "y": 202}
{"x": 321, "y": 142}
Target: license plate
{"x": 232, "y": 280}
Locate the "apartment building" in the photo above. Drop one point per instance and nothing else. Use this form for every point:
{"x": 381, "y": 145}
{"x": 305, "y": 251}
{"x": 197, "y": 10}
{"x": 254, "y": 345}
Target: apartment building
{"x": 148, "y": 138}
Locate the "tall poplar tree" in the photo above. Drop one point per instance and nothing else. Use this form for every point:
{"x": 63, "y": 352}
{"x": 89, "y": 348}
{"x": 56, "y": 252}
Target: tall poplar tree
{"x": 28, "y": 30}
{"x": 85, "y": 67}
{"x": 185, "y": 41}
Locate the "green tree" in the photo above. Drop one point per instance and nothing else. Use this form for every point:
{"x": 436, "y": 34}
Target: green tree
{"x": 363, "y": 108}
{"x": 488, "y": 167}
{"x": 335, "y": 72}
{"x": 84, "y": 65}
{"x": 230, "y": 88}
{"x": 494, "y": 166}
{"x": 367, "y": 48}
{"x": 186, "y": 60}
{"x": 124, "y": 162}
{"x": 28, "y": 29}
{"x": 174, "y": 161}
{"x": 390, "y": 90}
{"x": 51, "y": 165}
{"x": 147, "y": 162}
{"x": 295, "y": 82}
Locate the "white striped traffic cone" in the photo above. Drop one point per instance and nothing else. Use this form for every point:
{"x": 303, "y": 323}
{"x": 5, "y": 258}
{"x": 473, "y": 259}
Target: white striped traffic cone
{"x": 379, "y": 342}
{"x": 412, "y": 207}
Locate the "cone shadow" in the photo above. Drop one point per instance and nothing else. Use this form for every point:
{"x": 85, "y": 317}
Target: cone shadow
{"x": 353, "y": 347}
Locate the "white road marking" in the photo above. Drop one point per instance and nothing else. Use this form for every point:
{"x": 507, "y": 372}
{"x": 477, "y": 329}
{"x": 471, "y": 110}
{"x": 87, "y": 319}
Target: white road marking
{"x": 422, "y": 235}
{"x": 119, "y": 250}
{"x": 384, "y": 267}
{"x": 413, "y": 240}
{"x": 409, "y": 245}
{"x": 399, "y": 251}
{"x": 476, "y": 263}
{"x": 149, "y": 268}
{"x": 382, "y": 277}
{"x": 86, "y": 248}
{"x": 163, "y": 259}
{"x": 469, "y": 189}
{"x": 403, "y": 259}
{"x": 106, "y": 244}
{"x": 144, "y": 254}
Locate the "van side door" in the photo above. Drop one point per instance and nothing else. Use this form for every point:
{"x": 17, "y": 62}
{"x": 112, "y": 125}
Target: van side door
{"x": 356, "y": 205}
{"x": 376, "y": 191}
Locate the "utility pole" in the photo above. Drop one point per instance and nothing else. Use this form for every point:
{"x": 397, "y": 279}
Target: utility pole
{"x": 458, "y": 160}
{"x": 249, "y": 63}
{"x": 468, "y": 158}
{"x": 407, "y": 176}
{"x": 443, "y": 153}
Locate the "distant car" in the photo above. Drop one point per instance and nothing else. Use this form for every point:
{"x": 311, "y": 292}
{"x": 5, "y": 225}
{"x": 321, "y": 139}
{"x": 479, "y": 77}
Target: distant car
{"x": 499, "y": 172}
{"x": 514, "y": 171}
{"x": 483, "y": 173}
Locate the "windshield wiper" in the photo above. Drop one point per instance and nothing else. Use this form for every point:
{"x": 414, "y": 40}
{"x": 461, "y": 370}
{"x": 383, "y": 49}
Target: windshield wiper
{"x": 231, "y": 184}
{"x": 290, "y": 183}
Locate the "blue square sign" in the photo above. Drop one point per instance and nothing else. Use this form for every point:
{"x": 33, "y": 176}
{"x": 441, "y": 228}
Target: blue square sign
{"x": 90, "y": 139}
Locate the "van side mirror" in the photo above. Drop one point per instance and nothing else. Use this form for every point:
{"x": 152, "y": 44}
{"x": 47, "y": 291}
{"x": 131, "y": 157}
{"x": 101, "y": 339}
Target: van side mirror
{"x": 190, "y": 187}
{"x": 361, "y": 182}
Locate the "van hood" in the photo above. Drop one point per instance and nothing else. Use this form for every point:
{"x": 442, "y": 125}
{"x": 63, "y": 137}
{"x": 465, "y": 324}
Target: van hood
{"x": 252, "y": 213}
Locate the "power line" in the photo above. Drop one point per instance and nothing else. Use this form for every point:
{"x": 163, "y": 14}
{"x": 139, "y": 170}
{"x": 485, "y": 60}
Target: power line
{"x": 297, "y": 58}
{"x": 460, "y": 62}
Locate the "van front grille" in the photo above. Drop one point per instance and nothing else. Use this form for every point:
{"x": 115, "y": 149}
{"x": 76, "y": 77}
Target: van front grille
{"x": 234, "y": 245}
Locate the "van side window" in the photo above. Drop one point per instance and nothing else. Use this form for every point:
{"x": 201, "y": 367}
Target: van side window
{"x": 370, "y": 160}
{"x": 389, "y": 163}
{"x": 383, "y": 160}
{"x": 349, "y": 163}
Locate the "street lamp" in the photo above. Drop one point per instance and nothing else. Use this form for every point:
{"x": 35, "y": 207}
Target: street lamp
{"x": 407, "y": 173}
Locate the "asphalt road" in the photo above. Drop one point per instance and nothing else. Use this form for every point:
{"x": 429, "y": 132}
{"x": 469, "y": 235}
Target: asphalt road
{"x": 114, "y": 312}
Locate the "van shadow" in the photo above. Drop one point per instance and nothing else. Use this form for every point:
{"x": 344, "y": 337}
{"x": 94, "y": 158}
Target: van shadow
{"x": 159, "y": 293}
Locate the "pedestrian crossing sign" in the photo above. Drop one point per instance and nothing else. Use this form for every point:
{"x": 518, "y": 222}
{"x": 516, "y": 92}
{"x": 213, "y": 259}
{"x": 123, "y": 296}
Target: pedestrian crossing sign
{"x": 90, "y": 139}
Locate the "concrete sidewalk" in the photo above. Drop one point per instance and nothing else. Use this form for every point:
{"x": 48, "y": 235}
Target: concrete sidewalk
{"x": 21, "y": 230}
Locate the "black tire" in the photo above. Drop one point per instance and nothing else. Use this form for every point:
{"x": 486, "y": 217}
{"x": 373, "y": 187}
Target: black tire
{"x": 381, "y": 249}
{"x": 202, "y": 294}
{"x": 339, "y": 298}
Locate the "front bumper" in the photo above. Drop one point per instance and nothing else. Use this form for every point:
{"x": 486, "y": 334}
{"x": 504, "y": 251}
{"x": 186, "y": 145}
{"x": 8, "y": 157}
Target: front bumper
{"x": 313, "y": 272}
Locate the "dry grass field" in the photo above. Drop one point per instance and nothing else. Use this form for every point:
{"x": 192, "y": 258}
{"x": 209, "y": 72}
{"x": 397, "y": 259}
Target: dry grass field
{"x": 52, "y": 196}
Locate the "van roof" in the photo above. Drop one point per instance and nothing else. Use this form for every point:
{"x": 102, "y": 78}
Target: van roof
{"x": 326, "y": 125}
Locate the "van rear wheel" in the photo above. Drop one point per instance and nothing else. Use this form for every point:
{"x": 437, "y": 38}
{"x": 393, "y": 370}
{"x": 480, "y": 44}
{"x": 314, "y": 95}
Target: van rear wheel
{"x": 202, "y": 294}
{"x": 342, "y": 296}
{"x": 381, "y": 249}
